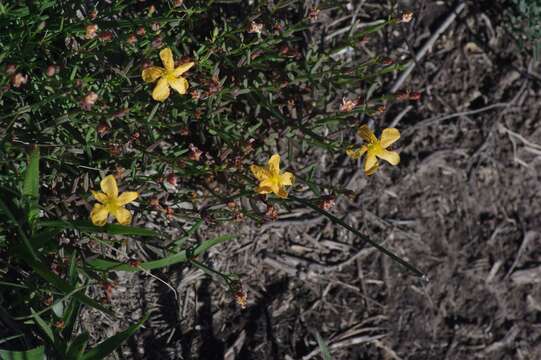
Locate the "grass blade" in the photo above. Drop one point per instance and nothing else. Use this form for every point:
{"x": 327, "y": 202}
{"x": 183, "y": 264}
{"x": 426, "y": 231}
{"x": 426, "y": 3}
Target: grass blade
{"x": 31, "y": 176}
{"x": 111, "y": 229}
{"x": 43, "y": 325}
{"x": 77, "y": 346}
{"x": 108, "y": 346}
{"x": 323, "y": 347}
{"x": 62, "y": 285}
{"x": 33, "y": 354}
{"x": 31, "y": 185}
{"x": 108, "y": 265}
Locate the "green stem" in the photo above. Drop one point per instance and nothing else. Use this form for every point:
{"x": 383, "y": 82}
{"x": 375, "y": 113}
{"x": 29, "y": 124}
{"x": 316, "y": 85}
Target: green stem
{"x": 336, "y": 220}
{"x": 211, "y": 272}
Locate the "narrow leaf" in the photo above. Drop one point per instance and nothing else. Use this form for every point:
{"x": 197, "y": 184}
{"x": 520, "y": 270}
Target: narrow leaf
{"x": 108, "y": 346}
{"x": 43, "y": 326}
{"x": 87, "y": 226}
{"x": 62, "y": 285}
{"x": 323, "y": 347}
{"x": 31, "y": 176}
{"x": 108, "y": 265}
{"x": 77, "y": 347}
{"x": 33, "y": 354}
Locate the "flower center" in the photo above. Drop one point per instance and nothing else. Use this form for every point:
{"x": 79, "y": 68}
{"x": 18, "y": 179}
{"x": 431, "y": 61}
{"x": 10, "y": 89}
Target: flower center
{"x": 275, "y": 179}
{"x": 375, "y": 147}
{"x": 112, "y": 205}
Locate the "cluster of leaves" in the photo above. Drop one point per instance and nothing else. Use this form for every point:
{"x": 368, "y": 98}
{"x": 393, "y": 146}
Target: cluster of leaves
{"x": 526, "y": 20}
{"x": 260, "y": 81}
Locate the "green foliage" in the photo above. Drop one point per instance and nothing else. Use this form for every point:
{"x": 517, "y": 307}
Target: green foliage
{"x": 527, "y": 21}
{"x": 32, "y": 354}
{"x": 78, "y": 101}
{"x": 53, "y": 324}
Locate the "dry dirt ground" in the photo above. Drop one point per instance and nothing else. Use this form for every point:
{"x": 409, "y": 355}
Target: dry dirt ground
{"x": 463, "y": 205}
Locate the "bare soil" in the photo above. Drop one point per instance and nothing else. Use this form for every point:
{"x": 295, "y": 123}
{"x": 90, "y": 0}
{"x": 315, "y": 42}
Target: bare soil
{"x": 464, "y": 205}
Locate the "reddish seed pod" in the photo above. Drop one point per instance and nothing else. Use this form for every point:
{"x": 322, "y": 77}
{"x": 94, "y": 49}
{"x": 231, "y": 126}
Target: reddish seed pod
{"x": 105, "y": 36}
{"x": 59, "y": 324}
{"x": 89, "y": 100}
{"x": 19, "y": 80}
{"x": 407, "y": 16}
{"x": 90, "y": 31}
{"x": 132, "y": 39}
{"x": 172, "y": 179}
{"x": 141, "y": 31}
{"x": 102, "y": 128}
{"x": 157, "y": 42}
{"x": 93, "y": 14}
{"x": 10, "y": 69}
{"x": 52, "y": 70}
{"x": 415, "y": 96}
{"x": 134, "y": 263}
{"x": 327, "y": 202}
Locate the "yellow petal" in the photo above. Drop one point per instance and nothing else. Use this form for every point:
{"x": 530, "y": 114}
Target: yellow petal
{"x": 101, "y": 197}
{"x": 122, "y": 215}
{"x": 355, "y": 154}
{"x": 152, "y": 73}
{"x": 181, "y": 69}
{"x": 259, "y": 172}
{"x": 263, "y": 190}
{"x": 281, "y": 193}
{"x": 287, "y": 179}
{"x": 180, "y": 85}
{"x": 372, "y": 170}
{"x": 391, "y": 157}
{"x": 98, "y": 215}
{"x": 167, "y": 59}
{"x": 389, "y": 136}
{"x": 370, "y": 162}
{"x": 276, "y": 188}
{"x": 161, "y": 91}
{"x": 274, "y": 165}
{"x": 268, "y": 183}
{"x": 127, "y": 197}
{"x": 108, "y": 186}
{"x": 366, "y": 134}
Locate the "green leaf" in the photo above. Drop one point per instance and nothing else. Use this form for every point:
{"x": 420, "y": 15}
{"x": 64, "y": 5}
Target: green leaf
{"x": 108, "y": 265}
{"x": 33, "y": 354}
{"x": 43, "y": 326}
{"x": 77, "y": 347}
{"x": 31, "y": 185}
{"x": 31, "y": 176}
{"x": 53, "y": 279}
{"x": 108, "y": 346}
{"x": 87, "y": 226}
{"x": 323, "y": 347}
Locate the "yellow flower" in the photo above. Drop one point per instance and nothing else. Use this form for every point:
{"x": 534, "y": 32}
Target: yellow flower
{"x": 168, "y": 76}
{"x": 111, "y": 203}
{"x": 376, "y": 148}
{"x": 270, "y": 179}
